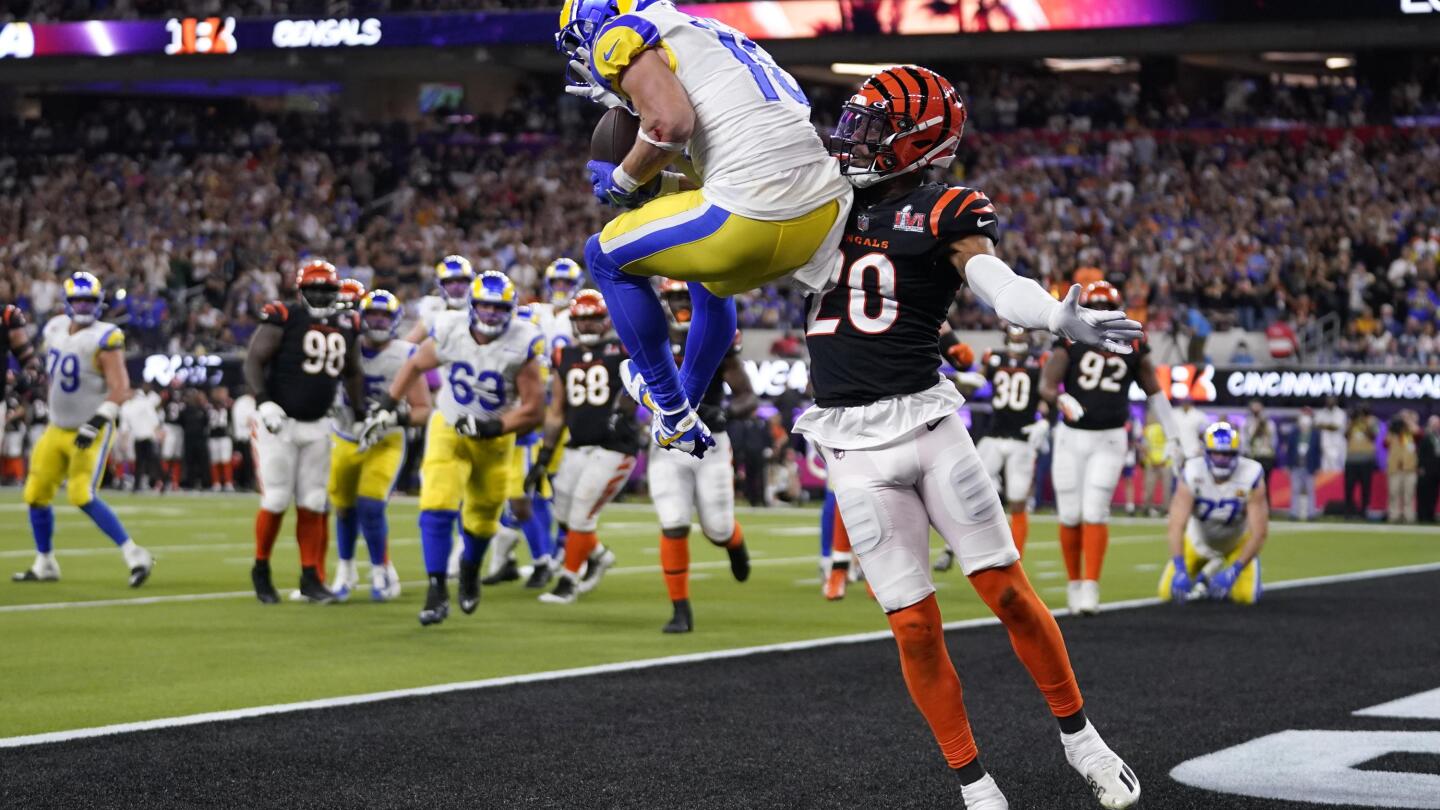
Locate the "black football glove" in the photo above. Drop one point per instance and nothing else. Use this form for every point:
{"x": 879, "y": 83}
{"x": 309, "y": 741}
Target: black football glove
{"x": 486, "y": 426}
{"x": 103, "y": 418}
{"x": 536, "y": 475}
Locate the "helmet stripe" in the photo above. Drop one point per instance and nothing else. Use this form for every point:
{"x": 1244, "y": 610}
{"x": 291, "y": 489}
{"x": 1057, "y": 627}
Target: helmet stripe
{"x": 924, "y": 93}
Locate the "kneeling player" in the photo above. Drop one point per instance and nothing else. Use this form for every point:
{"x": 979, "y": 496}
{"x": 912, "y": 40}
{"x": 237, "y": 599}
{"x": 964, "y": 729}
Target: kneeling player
{"x": 88, "y": 382}
{"x": 490, "y": 364}
{"x": 1219, "y": 519}
{"x": 585, "y": 399}
{"x": 362, "y": 476}
{"x": 899, "y": 460}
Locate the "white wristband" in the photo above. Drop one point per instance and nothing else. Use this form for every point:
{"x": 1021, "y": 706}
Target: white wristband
{"x": 670, "y": 182}
{"x": 623, "y": 180}
{"x": 108, "y": 411}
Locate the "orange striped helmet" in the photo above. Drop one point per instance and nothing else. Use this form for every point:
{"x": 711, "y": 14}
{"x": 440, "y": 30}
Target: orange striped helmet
{"x": 1101, "y": 295}
{"x": 352, "y": 292}
{"x": 319, "y": 287}
{"x": 901, "y": 120}
{"x": 589, "y": 318}
{"x": 675, "y": 294}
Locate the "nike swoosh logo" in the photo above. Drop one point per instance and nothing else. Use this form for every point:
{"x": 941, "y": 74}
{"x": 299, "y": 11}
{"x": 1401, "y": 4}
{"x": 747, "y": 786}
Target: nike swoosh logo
{"x": 979, "y": 223}
{"x": 611, "y": 52}
{"x": 932, "y": 425}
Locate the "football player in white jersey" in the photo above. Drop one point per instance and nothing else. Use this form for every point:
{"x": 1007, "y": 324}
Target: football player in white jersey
{"x": 85, "y": 361}
{"x": 453, "y": 276}
{"x": 490, "y": 362}
{"x": 1219, "y": 519}
{"x": 762, "y": 198}
{"x": 363, "y": 476}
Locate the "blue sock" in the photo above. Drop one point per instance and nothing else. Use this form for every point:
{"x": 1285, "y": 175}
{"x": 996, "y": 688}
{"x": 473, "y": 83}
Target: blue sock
{"x": 537, "y": 529}
{"x": 475, "y": 547}
{"x": 106, "y": 521}
{"x": 42, "y": 525}
{"x": 640, "y": 322}
{"x": 374, "y": 526}
{"x": 347, "y": 528}
{"x": 827, "y": 525}
{"x": 437, "y": 536}
{"x": 507, "y": 518}
{"x": 712, "y": 331}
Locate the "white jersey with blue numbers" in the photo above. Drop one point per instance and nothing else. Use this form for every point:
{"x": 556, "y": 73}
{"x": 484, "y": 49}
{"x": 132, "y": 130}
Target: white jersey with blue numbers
{"x": 379, "y": 367}
{"x": 555, "y": 326}
{"x": 478, "y": 379}
{"x": 77, "y": 385}
{"x": 429, "y": 308}
{"x": 753, "y": 145}
{"x": 1217, "y": 521}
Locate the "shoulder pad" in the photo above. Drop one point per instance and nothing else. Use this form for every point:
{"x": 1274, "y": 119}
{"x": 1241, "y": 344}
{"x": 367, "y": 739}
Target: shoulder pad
{"x": 274, "y": 313}
{"x": 113, "y": 339}
{"x": 962, "y": 212}
{"x": 619, "y": 42}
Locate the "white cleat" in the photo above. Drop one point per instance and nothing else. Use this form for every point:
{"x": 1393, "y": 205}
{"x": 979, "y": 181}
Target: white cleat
{"x": 384, "y": 583}
{"x": 595, "y": 569}
{"x": 140, "y": 563}
{"x": 984, "y": 795}
{"x": 1089, "y": 597}
{"x": 346, "y": 580}
{"x": 1073, "y": 596}
{"x": 680, "y": 430}
{"x": 1115, "y": 786}
{"x": 44, "y": 569}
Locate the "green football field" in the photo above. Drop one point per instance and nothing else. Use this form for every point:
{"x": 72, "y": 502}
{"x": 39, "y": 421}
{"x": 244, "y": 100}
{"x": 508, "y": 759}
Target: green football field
{"x": 89, "y": 651}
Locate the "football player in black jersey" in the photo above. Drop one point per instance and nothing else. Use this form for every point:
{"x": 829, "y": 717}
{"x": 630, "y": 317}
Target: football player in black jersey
{"x": 14, "y": 342}
{"x": 1090, "y": 441}
{"x": 300, "y": 352}
{"x": 172, "y": 436}
{"x": 603, "y": 440}
{"x": 898, "y": 460}
{"x": 1016, "y": 434}
{"x": 222, "y": 444}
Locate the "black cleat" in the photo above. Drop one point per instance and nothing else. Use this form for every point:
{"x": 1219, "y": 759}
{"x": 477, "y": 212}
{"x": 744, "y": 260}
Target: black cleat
{"x": 437, "y": 603}
{"x": 739, "y": 562}
{"x": 682, "y": 621}
{"x": 509, "y": 572}
{"x": 312, "y": 588}
{"x": 264, "y": 588}
{"x": 469, "y": 586}
{"x": 540, "y": 576}
{"x": 140, "y": 573}
{"x": 564, "y": 593}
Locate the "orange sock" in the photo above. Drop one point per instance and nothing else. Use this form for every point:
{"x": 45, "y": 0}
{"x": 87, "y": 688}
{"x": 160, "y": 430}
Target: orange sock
{"x": 578, "y": 546}
{"x": 1070, "y": 545}
{"x": 1096, "y": 538}
{"x": 175, "y": 474}
{"x": 216, "y": 477}
{"x": 228, "y": 470}
{"x": 1033, "y": 634}
{"x": 267, "y": 528}
{"x": 931, "y": 678}
{"x": 312, "y": 531}
{"x": 737, "y": 539}
{"x": 675, "y": 564}
{"x": 841, "y": 537}
{"x": 1020, "y": 529}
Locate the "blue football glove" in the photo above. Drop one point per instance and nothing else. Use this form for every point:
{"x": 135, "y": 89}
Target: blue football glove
{"x": 1224, "y": 580}
{"x": 1181, "y": 583}
{"x": 602, "y": 181}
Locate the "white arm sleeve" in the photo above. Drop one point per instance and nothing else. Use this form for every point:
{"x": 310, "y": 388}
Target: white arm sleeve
{"x": 1159, "y": 404}
{"x": 1017, "y": 299}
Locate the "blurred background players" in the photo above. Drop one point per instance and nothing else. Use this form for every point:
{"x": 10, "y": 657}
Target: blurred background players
{"x": 681, "y": 484}
{"x": 363, "y": 474}
{"x": 1219, "y": 519}
{"x": 490, "y": 362}
{"x": 1016, "y": 435}
{"x": 300, "y": 353}
{"x": 1091, "y": 443}
{"x": 585, "y": 402}
{"x": 88, "y": 383}
{"x": 221, "y": 445}
{"x": 140, "y": 417}
{"x": 453, "y": 277}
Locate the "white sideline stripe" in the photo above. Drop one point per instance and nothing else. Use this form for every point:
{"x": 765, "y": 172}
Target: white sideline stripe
{"x": 605, "y": 669}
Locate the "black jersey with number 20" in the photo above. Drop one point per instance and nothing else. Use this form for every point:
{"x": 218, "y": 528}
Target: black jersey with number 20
{"x": 875, "y": 333}
{"x": 1100, "y": 382}
{"x": 304, "y": 373}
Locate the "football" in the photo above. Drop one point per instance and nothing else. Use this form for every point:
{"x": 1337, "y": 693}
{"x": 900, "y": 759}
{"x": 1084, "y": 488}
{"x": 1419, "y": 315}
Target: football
{"x": 614, "y": 135}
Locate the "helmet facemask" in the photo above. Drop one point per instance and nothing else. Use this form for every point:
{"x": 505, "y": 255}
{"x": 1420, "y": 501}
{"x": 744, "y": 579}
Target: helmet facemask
{"x": 83, "y": 310}
{"x": 379, "y": 325}
{"x": 1222, "y": 463}
{"x": 562, "y": 291}
{"x": 320, "y": 299}
{"x": 865, "y": 143}
{"x": 456, "y": 291}
{"x": 590, "y": 330}
{"x": 490, "y": 318}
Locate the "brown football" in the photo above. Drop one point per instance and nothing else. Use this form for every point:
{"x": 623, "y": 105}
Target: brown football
{"x": 614, "y": 135}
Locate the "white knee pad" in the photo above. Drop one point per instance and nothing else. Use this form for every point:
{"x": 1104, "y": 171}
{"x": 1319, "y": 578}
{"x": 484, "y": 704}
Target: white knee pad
{"x": 273, "y": 501}
{"x": 313, "y": 500}
{"x": 897, "y": 572}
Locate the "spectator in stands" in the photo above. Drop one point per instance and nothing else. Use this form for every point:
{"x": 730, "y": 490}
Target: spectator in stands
{"x": 1428, "y": 487}
{"x": 1401, "y": 466}
{"x": 1300, "y": 452}
{"x": 1258, "y": 438}
{"x": 1331, "y": 421}
{"x": 1361, "y": 443}
{"x": 1242, "y": 356}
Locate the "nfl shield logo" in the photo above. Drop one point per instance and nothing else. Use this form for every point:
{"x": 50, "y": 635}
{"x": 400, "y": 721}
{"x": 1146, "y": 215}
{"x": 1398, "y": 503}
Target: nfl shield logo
{"x": 863, "y": 222}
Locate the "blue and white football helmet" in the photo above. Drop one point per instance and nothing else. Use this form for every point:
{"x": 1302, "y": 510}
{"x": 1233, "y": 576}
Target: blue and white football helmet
{"x": 84, "y": 298}
{"x": 492, "y": 303}
{"x": 562, "y": 280}
{"x": 1222, "y": 449}
{"x": 580, "y": 21}
{"x": 380, "y": 314}
{"x": 453, "y": 275}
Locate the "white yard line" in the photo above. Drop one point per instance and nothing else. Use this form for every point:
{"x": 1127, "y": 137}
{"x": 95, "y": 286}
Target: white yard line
{"x": 601, "y": 669}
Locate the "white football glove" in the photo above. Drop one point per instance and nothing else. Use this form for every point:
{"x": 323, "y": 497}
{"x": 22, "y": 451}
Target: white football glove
{"x": 1036, "y": 433}
{"x": 272, "y": 416}
{"x": 592, "y": 90}
{"x": 1111, "y": 331}
{"x": 374, "y": 428}
{"x": 1070, "y": 408}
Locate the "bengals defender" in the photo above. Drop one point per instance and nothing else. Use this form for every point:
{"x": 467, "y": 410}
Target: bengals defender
{"x": 1090, "y": 441}
{"x": 681, "y": 483}
{"x": 899, "y": 461}
{"x": 300, "y": 352}
{"x": 15, "y": 343}
{"x": 603, "y": 440}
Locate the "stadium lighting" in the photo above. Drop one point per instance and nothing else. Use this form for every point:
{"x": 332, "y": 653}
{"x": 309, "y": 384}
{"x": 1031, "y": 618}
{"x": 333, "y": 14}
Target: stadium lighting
{"x": 857, "y": 68}
{"x": 1339, "y": 62}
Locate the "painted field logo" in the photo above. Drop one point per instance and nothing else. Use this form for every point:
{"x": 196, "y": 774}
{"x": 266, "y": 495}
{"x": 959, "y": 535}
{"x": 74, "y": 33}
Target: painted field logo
{"x": 907, "y": 221}
{"x": 1330, "y": 767}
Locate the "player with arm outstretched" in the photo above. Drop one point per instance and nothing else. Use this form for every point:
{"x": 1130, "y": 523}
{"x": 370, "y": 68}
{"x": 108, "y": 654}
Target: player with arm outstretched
{"x": 1089, "y": 385}
{"x": 363, "y": 474}
{"x": 899, "y": 460}
{"x": 585, "y": 401}
{"x": 300, "y": 353}
{"x": 1219, "y": 521}
{"x": 769, "y": 200}
{"x": 490, "y": 363}
{"x": 85, "y": 361}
